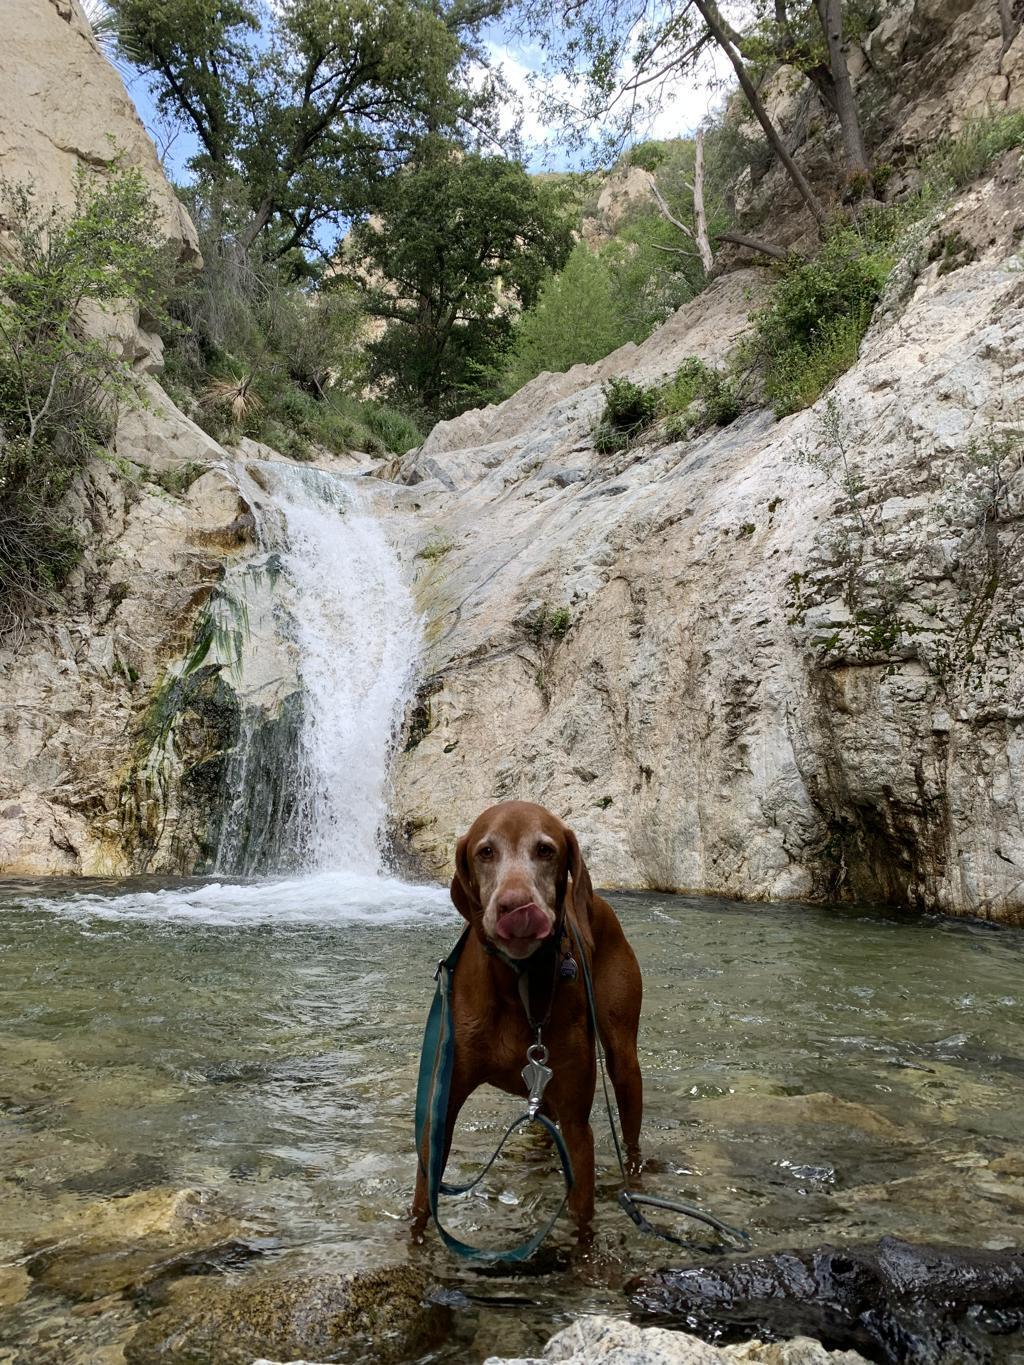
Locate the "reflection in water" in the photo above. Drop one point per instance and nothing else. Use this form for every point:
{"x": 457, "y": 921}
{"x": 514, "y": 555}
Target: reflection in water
{"x": 810, "y": 1074}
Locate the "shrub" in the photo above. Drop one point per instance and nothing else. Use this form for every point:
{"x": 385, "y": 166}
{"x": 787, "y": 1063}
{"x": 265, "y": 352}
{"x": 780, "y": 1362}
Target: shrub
{"x": 817, "y": 314}
{"x": 628, "y": 411}
{"x": 958, "y": 160}
{"x": 697, "y": 397}
{"x": 800, "y": 374}
{"x": 247, "y": 331}
{"x": 648, "y": 155}
{"x": 58, "y": 384}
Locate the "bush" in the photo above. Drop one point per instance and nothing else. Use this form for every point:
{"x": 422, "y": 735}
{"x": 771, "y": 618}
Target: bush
{"x": 648, "y": 156}
{"x": 959, "y": 160}
{"x": 629, "y": 409}
{"x": 697, "y": 397}
{"x": 296, "y": 351}
{"x": 58, "y": 384}
{"x": 819, "y": 311}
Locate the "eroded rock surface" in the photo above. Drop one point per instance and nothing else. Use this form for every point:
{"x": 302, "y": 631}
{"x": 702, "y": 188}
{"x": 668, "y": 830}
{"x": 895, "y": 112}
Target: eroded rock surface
{"x": 234, "y": 1323}
{"x": 725, "y": 672}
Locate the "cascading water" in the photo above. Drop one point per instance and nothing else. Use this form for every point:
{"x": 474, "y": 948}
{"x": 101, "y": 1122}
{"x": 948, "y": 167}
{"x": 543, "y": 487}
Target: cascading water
{"x": 314, "y": 797}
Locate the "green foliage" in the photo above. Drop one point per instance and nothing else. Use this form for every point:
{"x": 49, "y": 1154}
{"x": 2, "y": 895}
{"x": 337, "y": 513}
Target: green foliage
{"x": 621, "y": 292}
{"x": 818, "y": 312}
{"x": 462, "y": 240}
{"x": 629, "y": 409}
{"x": 547, "y": 625}
{"x": 647, "y": 155}
{"x": 258, "y": 354}
{"x": 577, "y": 319}
{"x": 959, "y": 160}
{"x": 58, "y": 383}
{"x": 696, "y": 398}
{"x": 299, "y": 108}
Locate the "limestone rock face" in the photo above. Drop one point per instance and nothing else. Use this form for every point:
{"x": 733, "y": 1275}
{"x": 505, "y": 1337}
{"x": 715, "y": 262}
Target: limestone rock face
{"x": 62, "y": 106}
{"x": 75, "y": 687}
{"x": 726, "y": 673}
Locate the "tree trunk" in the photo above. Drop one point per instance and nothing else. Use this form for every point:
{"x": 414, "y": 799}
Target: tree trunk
{"x": 710, "y": 16}
{"x": 830, "y": 13}
{"x": 777, "y": 253}
{"x": 257, "y": 223}
{"x": 707, "y": 259}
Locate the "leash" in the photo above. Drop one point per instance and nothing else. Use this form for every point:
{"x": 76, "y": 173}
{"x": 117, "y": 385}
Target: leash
{"x": 437, "y": 1060}
{"x": 433, "y": 1089}
{"x": 628, "y": 1199}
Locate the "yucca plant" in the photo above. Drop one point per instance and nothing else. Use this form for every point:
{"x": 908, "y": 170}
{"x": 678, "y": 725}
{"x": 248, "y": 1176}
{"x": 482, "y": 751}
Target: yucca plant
{"x": 237, "y": 395}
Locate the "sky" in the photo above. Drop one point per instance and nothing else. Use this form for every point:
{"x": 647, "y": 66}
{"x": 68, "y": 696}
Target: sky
{"x": 684, "y": 103}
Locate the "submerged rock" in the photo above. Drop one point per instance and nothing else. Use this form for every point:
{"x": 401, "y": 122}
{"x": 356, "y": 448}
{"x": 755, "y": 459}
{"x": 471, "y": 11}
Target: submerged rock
{"x": 311, "y": 1317}
{"x": 613, "y": 1341}
{"x": 901, "y": 1304}
{"x": 120, "y": 1245}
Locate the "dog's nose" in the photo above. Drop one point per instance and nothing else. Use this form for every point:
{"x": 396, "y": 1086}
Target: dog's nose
{"x": 513, "y": 898}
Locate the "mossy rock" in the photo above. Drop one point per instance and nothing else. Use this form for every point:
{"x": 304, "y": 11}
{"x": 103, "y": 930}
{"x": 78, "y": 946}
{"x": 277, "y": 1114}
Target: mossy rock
{"x": 313, "y": 1317}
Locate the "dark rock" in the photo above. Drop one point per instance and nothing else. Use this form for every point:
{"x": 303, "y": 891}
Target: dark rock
{"x": 896, "y": 1303}
{"x": 310, "y": 1318}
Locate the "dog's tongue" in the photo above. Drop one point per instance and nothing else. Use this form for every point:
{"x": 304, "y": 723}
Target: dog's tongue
{"x": 526, "y": 921}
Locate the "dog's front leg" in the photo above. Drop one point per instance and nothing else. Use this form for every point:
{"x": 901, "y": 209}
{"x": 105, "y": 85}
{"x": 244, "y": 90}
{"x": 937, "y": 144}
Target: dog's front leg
{"x": 579, "y": 1139}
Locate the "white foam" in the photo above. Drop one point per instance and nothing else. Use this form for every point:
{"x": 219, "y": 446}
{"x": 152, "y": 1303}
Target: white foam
{"x": 329, "y": 898}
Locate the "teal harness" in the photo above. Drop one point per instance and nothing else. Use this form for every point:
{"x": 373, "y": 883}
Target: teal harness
{"x": 437, "y": 1062}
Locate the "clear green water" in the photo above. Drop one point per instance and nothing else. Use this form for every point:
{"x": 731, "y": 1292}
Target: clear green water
{"x": 811, "y": 1074}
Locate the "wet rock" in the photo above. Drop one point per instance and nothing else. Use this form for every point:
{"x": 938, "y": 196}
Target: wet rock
{"x": 613, "y": 1341}
{"x": 14, "y": 1285}
{"x": 119, "y": 1245}
{"x": 901, "y": 1304}
{"x": 292, "y": 1319}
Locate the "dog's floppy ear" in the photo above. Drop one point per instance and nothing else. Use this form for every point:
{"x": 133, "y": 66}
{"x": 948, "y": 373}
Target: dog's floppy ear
{"x": 465, "y": 895}
{"x": 582, "y": 890}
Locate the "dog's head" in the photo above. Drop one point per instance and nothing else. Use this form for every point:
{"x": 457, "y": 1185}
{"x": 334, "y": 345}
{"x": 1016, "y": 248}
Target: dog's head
{"x": 512, "y": 874}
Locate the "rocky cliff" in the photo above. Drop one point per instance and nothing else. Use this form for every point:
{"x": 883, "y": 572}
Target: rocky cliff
{"x": 779, "y": 659}
{"x": 727, "y": 672}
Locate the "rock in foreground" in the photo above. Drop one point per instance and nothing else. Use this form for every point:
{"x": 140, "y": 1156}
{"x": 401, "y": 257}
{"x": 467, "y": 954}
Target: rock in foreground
{"x": 613, "y": 1341}
{"x": 901, "y": 1304}
{"x": 308, "y": 1318}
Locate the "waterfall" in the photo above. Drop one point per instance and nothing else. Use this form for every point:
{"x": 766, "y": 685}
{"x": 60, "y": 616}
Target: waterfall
{"x": 310, "y": 791}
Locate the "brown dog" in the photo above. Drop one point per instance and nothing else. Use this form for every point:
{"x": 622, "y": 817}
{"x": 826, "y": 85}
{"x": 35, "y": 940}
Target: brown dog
{"x": 521, "y": 882}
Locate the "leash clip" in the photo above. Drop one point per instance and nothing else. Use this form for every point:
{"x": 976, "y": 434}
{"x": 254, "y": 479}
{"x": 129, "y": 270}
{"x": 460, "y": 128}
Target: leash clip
{"x": 438, "y": 968}
{"x": 536, "y": 1073}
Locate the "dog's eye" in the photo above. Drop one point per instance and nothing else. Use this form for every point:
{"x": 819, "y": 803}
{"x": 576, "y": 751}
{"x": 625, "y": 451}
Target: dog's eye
{"x": 486, "y": 852}
{"x": 545, "y": 851}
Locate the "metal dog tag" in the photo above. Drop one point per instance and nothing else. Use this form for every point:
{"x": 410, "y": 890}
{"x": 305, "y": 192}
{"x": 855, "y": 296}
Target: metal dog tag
{"x": 536, "y": 1074}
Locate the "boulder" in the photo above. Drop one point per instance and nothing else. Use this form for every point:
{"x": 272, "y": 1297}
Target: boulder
{"x": 312, "y": 1316}
{"x": 899, "y": 1303}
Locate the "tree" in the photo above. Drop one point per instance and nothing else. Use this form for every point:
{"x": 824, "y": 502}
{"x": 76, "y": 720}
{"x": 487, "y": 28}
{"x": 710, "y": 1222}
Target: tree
{"x": 57, "y": 376}
{"x": 594, "y": 42}
{"x": 462, "y": 242}
{"x": 307, "y": 105}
